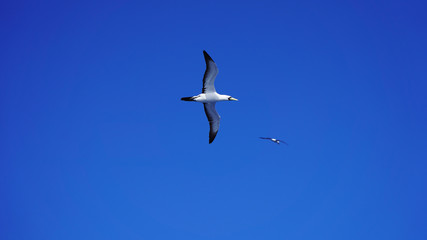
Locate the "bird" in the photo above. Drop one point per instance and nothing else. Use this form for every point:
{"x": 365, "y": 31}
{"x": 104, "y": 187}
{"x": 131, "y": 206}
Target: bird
{"x": 274, "y": 140}
{"x": 209, "y": 96}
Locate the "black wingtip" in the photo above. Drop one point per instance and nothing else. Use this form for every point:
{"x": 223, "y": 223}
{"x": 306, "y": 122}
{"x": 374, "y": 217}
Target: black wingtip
{"x": 187, "y": 99}
{"x": 207, "y": 57}
{"x": 212, "y": 136}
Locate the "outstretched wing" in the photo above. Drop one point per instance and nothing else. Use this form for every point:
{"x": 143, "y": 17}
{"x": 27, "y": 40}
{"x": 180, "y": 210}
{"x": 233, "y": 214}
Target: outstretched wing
{"x": 210, "y": 74}
{"x": 281, "y": 141}
{"x": 213, "y": 118}
{"x": 265, "y": 138}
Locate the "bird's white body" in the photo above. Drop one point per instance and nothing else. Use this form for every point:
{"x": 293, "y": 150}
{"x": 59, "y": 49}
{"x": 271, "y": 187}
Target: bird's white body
{"x": 211, "y": 97}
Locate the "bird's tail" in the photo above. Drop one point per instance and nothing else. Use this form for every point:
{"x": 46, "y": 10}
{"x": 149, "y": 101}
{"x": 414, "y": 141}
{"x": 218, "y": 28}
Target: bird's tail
{"x": 187, "y": 98}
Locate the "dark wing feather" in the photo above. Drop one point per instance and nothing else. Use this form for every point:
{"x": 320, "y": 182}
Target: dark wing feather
{"x": 213, "y": 118}
{"x": 281, "y": 141}
{"x": 210, "y": 74}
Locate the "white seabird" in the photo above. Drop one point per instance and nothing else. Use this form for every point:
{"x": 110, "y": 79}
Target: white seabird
{"x": 274, "y": 140}
{"x": 209, "y": 96}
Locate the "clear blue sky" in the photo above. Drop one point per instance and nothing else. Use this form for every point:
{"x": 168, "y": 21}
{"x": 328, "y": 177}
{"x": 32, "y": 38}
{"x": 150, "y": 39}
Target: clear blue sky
{"x": 95, "y": 143}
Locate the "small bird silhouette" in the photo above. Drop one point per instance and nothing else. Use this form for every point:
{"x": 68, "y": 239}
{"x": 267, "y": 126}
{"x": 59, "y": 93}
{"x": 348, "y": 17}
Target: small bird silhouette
{"x": 274, "y": 140}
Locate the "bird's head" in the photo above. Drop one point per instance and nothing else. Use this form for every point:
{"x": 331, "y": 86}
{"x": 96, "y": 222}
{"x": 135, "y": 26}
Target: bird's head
{"x": 230, "y": 98}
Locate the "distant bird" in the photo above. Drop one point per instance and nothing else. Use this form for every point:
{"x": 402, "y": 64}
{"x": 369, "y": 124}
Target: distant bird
{"x": 274, "y": 140}
{"x": 209, "y": 96}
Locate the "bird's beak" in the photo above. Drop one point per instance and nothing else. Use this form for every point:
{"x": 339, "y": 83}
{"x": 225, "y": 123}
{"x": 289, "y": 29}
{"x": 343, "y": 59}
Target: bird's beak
{"x": 233, "y": 99}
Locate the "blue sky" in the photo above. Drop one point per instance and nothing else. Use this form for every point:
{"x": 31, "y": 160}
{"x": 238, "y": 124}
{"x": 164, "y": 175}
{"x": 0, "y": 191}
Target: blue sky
{"x": 97, "y": 145}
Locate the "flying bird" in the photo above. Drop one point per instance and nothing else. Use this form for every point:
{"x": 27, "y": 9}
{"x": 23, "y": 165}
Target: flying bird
{"x": 274, "y": 140}
{"x": 209, "y": 96}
